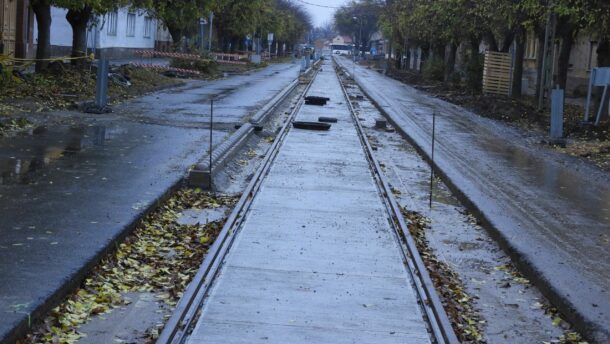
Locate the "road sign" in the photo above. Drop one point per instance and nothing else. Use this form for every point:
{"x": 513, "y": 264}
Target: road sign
{"x": 249, "y": 37}
{"x": 270, "y": 36}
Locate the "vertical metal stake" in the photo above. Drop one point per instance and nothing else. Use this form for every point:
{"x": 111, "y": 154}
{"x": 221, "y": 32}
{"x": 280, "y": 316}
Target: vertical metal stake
{"x": 211, "y": 131}
{"x": 432, "y": 158}
{"x": 101, "y": 91}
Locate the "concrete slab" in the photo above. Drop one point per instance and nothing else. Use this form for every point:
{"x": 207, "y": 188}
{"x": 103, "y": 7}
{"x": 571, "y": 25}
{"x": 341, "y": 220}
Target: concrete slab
{"x": 316, "y": 259}
{"x": 126, "y": 324}
{"x": 253, "y": 332}
{"x": 201, "y": 216}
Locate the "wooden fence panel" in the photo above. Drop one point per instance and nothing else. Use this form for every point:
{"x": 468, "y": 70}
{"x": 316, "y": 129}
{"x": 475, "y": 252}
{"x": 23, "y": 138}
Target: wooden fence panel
{"x": 8, "y": 26}
{"x": 497, "y": 73}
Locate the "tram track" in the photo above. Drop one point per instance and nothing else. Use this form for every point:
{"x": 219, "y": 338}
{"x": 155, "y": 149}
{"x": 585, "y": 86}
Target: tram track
{"x": 438, "y": 320}
{"x": 177, "y": 328}
{"x": 187, "y": 311}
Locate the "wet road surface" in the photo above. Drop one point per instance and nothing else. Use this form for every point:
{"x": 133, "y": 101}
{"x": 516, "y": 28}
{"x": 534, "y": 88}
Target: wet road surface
{"x": 67, "y": 191}
{"x": 553, "y": 211}
{"x": 234, "y": 98}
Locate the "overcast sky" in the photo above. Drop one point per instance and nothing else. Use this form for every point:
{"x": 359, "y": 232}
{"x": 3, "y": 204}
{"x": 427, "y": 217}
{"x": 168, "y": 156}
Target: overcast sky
{"x": 321, "y": 15}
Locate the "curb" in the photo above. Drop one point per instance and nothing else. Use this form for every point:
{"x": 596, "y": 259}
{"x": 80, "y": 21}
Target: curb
{"x": 201, "y": 175}
{"x": 72, "y": 282}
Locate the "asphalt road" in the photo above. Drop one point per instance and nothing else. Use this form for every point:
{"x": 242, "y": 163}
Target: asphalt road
{"x": 68, "y": 191}
{"x": 551, "y": 211}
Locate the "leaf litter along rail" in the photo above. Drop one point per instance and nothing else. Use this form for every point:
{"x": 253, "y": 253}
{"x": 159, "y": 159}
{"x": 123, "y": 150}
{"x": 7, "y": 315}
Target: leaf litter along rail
{"x": 458, "y": 304}
{"x": 161, "y": 256}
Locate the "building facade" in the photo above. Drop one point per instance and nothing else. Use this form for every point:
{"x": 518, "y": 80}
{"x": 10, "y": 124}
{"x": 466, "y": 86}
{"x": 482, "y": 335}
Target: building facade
{"x": 16, "y": 28}
{"x": 583, "y": 58}
{"x": 117, "y": 34}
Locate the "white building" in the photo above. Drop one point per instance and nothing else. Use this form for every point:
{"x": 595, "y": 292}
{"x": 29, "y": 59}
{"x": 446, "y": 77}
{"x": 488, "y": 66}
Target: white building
{"x": 117, "y": 34}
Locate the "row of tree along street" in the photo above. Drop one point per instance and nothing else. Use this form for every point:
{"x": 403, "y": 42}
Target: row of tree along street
{"x": 439, "y": 27}
{"x": 233, "y": 20}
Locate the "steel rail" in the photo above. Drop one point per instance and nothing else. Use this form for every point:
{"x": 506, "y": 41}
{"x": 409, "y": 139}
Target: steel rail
{"x": 202, "y": 174}
{"x": 439, "y": 322}
{"x": 177, "y": 327}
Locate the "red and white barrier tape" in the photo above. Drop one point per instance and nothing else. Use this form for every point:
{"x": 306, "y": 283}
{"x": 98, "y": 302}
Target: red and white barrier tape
{"x": 163, "y": 67}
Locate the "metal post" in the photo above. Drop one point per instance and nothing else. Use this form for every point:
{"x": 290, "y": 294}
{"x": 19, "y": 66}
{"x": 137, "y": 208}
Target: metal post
{"x": 211, "y": 141}
{"x": 432, "y": 158}
{"x": 201, "y": 34}
{"x": 602, "y": 104}
{"x": 589, "y": 92}
{"x": 101, "y": 89}
{"x": 557, "y": 102}
{"x": 210, "y": 33}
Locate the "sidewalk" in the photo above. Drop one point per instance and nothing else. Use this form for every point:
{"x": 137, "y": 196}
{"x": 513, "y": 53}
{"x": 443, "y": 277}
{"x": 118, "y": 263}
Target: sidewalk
{"x": 68, "y": 192}
{"x": 551, "y": 212}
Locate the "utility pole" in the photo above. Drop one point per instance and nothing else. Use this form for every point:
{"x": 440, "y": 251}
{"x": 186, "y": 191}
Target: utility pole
{"x": 202, "y": 23}
{"x": 210, "y": 39}
{"x": 360, "y": 38}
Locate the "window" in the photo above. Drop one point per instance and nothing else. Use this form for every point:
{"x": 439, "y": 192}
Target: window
{"x": 148, "y": 27}
{"x": 112, "y": 22}
{"x": 131, "y": 24}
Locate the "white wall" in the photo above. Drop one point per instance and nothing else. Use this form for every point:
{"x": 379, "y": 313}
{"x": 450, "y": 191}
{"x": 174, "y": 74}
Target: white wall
{"x": 121, "y": 40}
{"x": 61, "y": 32}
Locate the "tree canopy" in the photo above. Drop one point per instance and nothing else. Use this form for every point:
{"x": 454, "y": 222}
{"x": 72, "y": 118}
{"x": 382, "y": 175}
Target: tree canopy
{"x": 359, "y": 19}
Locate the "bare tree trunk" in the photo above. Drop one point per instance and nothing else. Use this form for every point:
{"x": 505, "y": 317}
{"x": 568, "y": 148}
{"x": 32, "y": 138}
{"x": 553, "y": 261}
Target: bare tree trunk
{"x": 520, "y": 37}
{"x": 42, "y": 10}
{"x": 78, "y": 19}
{"x": 539, "y": 57}
{"x": 508, "y": 40}
{"x": 450, "y": 64}
{"x": 176, "y": 34}
{"x": 563, "y": 61}
{"x": 490, "y": 39}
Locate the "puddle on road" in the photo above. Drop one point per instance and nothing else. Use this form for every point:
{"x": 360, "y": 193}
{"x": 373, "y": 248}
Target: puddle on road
{"x": 24, "y": 155}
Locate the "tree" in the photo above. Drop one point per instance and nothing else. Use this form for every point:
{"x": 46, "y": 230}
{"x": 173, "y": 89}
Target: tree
{"x": 359, "y": 18}
{"x": 571, "y": 18}
{"x": 42, "y": 11}
{"x": 237, "y": 18}
{"x": 80, "y": 13}
{"x": 326, "y": 31}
